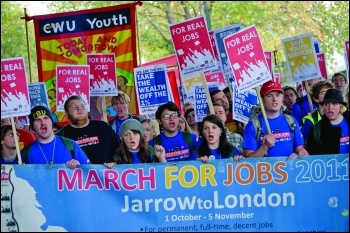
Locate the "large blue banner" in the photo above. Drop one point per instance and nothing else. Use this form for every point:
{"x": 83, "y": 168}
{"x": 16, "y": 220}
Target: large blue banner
{"x": 310, "y": 193}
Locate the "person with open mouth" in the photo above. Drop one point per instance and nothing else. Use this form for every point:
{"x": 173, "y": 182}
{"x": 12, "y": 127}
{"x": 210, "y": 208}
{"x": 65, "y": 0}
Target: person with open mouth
{"x": 215, "y": 144}
{"x": 134, "y": 148}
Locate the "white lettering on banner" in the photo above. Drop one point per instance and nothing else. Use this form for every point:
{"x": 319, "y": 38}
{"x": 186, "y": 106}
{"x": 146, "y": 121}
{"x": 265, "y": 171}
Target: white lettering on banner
{"x": 8, "y": 77}
{"x": 178, "y": 30}
{"x": 59, "y": 26}
{"x": 106, "y": 59}
{"x": 145, "y": 76}
{"x": 11, "y": 67}
{"x": 227, "y": 33}
{"x": 245, "y": 48}
{"x": 155, "y": 88}
{"x": 249, "y": 36}
{"x": 192, "y": 36}
{"x": 194, "y": 26}
{"x": 72, "y": 72}
{"x": 73, "y": 80}
{"x": 233, "y": 43}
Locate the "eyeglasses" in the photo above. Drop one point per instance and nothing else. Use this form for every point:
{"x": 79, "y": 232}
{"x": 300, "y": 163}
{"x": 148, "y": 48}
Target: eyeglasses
{"x": 339, "y": 80}
{"x": 11, "y": 135}
{"x": 175, "y": 115}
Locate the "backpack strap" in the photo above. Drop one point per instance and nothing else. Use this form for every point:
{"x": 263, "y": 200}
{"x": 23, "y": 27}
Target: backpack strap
{"x": 232, "y": 154}
{"x": 68, "y": 143}
{"x": 152, "y": 153}
{"x": 317, "y": 132}
{"x": 156, "y": 140}
{"x": 257, "y": 126}
{"x": 188, "y": 139}
{"x": 25, "y": 153}
{"x": 290, "y": 121}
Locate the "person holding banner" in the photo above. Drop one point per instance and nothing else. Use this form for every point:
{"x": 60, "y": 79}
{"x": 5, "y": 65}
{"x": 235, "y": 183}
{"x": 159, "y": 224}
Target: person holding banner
{"x": 8, "y": 145}
{"x": 134, "y": 148}
{"x": 178, "y": 145}
{"x": 282, "y": 141}
{"x": 49, "y": 148}
{"x": 331, "y": 134}
{"x": 96, "y": 138}
{"x": 121, "y": 104}
{"x": 215, "y": 144}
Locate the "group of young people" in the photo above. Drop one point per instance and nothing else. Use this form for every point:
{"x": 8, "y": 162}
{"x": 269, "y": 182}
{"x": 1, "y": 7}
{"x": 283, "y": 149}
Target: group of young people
{"x": 173, "y": 137}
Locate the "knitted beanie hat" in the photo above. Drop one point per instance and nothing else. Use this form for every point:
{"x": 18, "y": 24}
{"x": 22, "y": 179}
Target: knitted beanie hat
{"x": 131, "y": 124}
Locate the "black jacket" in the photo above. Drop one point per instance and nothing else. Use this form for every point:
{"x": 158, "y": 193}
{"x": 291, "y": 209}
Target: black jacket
{"x": 329, "y": 142}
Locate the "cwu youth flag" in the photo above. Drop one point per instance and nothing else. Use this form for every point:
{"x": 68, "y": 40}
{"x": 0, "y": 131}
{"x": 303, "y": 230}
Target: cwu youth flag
{"x": 66, "y": 38}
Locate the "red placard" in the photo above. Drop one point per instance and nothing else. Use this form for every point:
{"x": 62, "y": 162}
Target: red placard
{"x": 102, "y": 74}
{"x": 72, "y": 80}
{"x": 192, "y": 46}
{"x": 247, "y": 58}
{"x": 14, "y": 88}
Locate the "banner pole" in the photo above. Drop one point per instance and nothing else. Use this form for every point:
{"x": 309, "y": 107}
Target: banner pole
{"x": 16, "y": 140}
{"x": 263, "y": 110}
{"x": 28, "y": 49}
{"x": 138, "y": 39}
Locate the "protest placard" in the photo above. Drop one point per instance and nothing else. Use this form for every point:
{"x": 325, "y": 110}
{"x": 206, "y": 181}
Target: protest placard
{"x": 247, "y": 58}
{"x": 38, "y": 94}
{"x": 14, "y": 88}
{"x": 102, "y": 74}
{"x": 152, "y": 88}
{"x": 301, "y": 59}
{"x": 219, "y": 35}
{"x": 322, "y": 65}
{"x": 192, "y": 46}
{"x": 72, "y": 80}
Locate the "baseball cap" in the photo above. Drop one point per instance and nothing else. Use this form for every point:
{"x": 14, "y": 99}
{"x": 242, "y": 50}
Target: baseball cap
{"x": 269, "y": 86}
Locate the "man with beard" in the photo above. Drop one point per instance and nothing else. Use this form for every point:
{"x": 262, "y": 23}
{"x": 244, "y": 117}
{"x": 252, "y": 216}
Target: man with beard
{"x": 49, "y": 148}
{"x": 178, "y": 145}
{"x": 95, "y": 137}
